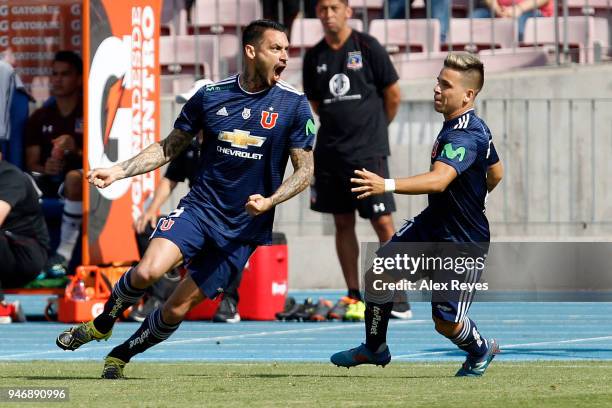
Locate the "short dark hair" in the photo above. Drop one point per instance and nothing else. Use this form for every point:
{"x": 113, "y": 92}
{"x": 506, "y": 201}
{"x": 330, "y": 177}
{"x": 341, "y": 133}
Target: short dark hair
{"x": 70, "y": 57}
{"x": 253, "y": 32}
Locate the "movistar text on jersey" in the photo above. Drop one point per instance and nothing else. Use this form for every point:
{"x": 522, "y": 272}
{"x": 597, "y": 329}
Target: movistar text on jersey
{"x": 412, "y": 264}
{"x": 238, "y": 153}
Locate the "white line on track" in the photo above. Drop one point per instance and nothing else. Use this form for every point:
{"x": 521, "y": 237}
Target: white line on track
{"x": 342, "y": 326}
{"x": 510, "y": 346}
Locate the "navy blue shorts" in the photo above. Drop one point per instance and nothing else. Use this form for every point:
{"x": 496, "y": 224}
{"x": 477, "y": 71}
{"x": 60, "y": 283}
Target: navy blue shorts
{"x": 212, "y": 261}
{"x": 448, "y": 305}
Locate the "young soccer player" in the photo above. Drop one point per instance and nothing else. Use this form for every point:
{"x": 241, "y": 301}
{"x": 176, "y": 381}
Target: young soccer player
{"x": 252, "y": 123}
{"x": 464, "y": 168}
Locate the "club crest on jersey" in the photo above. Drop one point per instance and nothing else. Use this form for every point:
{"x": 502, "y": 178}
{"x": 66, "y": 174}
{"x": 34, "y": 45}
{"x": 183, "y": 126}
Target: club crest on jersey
{"x": 355, "y": 60}
{"x": 268, "y": 119}
{"x": 246, "y": 113}
{"x": 434, "y": 151}
{"x": 166, "y": 224}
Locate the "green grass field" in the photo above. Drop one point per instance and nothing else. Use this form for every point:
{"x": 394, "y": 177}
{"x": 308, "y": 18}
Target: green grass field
{"x": 506, "y": 384}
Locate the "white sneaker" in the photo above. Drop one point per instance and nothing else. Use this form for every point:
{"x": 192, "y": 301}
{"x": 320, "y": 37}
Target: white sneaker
{"x": 402, "y": 315}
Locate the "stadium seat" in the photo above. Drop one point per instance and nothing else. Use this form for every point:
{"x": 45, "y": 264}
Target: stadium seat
{"x": 173, "y": 22}
{"x": 588, "y": 34}
{"x": 174, "y": 84}
{"x": 595, "y": 8}
{"x": 415, "y": 35}
{"x": 461, "y": 8}
{"x": 499, "y": 32}
{"x": 210, "y": 55}
{"x": 367, "y": 10}
{"x": 500, "y": 60}
{"x": 312, "y": 31}
{"x": 218, "y": 16}
{"x": 418, "y": 65}
{"x": 371, "y": 4}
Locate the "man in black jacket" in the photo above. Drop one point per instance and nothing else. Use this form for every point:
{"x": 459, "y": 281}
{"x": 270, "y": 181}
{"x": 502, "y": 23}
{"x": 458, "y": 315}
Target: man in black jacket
{"x": 24, "y": 240}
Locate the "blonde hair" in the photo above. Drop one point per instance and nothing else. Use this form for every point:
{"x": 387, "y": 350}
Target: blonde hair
{"x": 468, "y": 64}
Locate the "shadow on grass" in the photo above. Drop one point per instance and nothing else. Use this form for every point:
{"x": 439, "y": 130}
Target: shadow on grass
{"x": 67, "y": 377}
{"x": 317, "y": 375}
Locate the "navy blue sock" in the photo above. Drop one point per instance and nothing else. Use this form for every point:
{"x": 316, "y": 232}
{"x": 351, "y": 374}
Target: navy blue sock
{"x": 376, "y": 322}
{"x": 151, "y": 332}
{"x": 123, "y": 296}
{"x": 469, "y": 339}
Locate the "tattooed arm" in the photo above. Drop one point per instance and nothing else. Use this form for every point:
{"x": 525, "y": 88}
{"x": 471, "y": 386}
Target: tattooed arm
{"x": 303, "y": 167}
{"x": 154, "y": 156}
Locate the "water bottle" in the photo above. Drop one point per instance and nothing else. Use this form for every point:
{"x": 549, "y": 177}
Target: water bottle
{"x": 78, "y": 291}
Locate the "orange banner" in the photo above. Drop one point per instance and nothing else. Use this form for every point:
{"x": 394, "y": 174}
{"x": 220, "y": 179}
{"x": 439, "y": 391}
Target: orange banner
{"x": 121, "y": 58}
{"x": 32, "y": 31}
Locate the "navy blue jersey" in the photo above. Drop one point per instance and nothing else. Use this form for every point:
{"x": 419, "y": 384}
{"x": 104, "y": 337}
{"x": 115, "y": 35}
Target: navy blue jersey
{"x": 458, "y": 213}
{"x": 247, "y": 137}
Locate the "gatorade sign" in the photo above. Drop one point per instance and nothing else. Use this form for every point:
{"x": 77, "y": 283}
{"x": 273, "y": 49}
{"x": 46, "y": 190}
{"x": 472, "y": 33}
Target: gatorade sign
{"x": 32, "y": 31}
{"x": 121, "y": 54}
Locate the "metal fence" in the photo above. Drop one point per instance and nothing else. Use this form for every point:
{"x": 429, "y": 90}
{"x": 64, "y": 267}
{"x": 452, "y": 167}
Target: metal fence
{"x": 580, "y": 30}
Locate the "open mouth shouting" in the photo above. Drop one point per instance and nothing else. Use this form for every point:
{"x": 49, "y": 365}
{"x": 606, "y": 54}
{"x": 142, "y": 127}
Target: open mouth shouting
{"x": 278, "y": 69}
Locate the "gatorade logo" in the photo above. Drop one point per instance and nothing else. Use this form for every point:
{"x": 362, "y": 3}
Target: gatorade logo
{"x": 97, "y": 309}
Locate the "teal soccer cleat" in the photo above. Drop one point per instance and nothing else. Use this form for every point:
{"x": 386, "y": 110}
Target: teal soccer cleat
{"x": 476, "y": 368}
{"x": 361, "y": 355}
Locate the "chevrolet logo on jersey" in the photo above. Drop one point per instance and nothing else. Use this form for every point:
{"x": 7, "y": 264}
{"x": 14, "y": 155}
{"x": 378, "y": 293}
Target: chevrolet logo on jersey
{"x": 241, "y": 139}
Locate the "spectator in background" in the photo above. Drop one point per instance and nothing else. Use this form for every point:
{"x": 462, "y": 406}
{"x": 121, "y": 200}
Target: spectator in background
{"x": 24, "y": 240}
{"x": 440, "y": 9}
{"x": 353, "y": 87}
{"x": 54, "y": 151}
{"x": 520, "y": 9}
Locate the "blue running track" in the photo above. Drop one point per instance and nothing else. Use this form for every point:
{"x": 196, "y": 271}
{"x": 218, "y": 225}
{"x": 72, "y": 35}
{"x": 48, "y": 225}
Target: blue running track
{"x": 526, "y": 331}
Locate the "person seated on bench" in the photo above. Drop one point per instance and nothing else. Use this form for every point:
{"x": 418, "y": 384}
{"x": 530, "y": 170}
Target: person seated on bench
{"x": 24, "y": 240}
{"x": 54, "y": 156}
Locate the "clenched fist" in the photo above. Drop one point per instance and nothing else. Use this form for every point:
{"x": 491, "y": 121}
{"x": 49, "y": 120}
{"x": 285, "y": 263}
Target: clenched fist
{"x": 258, "y": 204}
{"x": 102, "y": 178}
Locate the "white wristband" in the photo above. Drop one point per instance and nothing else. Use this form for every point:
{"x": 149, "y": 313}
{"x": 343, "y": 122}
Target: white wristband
{"x": 389, "y": 185}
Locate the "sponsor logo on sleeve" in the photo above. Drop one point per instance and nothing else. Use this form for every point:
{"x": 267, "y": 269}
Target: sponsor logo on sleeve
{"x": 310, "y": 127}
{"x": 451, "y": 153}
